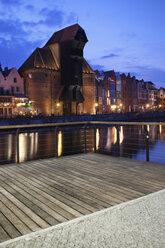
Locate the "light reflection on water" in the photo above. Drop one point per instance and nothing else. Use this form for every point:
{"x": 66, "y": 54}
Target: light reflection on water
{"x": 41, "y": 144}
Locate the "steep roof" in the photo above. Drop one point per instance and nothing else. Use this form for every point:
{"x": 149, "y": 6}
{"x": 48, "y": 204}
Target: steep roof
{"x": 45, "y": 59}
{"x": 41, "y": 58}
{"x": 68, "y": 33}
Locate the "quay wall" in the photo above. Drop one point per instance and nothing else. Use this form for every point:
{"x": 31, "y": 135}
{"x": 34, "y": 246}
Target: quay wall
{"x": 137, "y": 117}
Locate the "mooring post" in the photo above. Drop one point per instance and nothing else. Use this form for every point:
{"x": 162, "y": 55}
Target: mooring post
{"x": 147, "y": 143}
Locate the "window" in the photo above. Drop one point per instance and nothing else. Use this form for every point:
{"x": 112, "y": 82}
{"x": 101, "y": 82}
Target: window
{"x": 1, "y": 111}
{"x": 17, "y": 89}
{"x": 15, "y": 80}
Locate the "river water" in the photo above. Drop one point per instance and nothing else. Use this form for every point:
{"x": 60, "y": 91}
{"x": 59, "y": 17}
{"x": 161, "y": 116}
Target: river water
{"x": 41, "y": 143}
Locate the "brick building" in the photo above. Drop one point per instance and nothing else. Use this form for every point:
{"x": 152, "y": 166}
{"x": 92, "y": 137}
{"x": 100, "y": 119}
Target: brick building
{"x": 57, "y": 77}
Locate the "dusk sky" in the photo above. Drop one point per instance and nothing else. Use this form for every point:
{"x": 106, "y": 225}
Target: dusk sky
{"x": 123, "y": 35}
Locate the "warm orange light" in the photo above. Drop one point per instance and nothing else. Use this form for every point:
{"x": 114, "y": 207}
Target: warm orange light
{"x": 58, "y": 104}
{"x": 113, "y": 107}
{"x": 97, "y": 138}
{"x": 96, "y": 104}
{"x": 59, "y": 143}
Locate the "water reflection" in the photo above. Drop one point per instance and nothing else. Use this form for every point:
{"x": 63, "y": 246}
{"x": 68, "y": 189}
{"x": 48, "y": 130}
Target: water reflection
{"x": 42, "y": 144}
{"x": 10, "y": 147}
{"x": 22, "y": 147}
{"x": 59, "y": 143}
{"x": 160, "y": 129}
{"x": 97, "y": 139}
{"x": 121, "y": 135}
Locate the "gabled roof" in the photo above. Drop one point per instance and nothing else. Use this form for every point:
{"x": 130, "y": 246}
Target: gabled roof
{"x": 41, "y": 58}
{"x": 68, "y": 33}
{"x": 6, "y": 72}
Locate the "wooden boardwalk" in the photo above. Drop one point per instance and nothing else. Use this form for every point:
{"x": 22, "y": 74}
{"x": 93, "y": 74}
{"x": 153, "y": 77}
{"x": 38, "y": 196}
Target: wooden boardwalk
{"x": 38, "y": 194}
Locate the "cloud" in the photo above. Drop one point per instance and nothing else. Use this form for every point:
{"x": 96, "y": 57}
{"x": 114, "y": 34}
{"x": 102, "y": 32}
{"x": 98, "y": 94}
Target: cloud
{"x": 153, "y": 74}
{"x": 53, "y": 17}
{"x": 111, "y": 55}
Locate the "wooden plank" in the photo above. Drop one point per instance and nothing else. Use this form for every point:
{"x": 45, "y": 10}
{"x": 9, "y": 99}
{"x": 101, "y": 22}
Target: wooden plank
{"x": 40, "y": 222}
{"x": 3, "y": 235}
{"x": 19, "y": 213}
{"x": 20, "y": 226}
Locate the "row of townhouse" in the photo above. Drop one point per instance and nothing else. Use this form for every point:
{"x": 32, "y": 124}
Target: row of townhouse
{"x": 117, "y": 92}
{"x": 12, "y": 95}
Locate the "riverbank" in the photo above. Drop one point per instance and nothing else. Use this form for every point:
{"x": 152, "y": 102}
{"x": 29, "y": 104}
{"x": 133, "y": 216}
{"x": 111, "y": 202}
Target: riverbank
{"x": 137, "y": 117}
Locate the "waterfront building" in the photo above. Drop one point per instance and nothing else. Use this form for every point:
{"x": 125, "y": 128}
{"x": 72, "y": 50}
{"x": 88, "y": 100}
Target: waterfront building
{"x": 161, "y": 98}
{"x": 147, "y": 95}
{"x": 57, "y": 78}
{"x": 118, "y": 89}
{"x": 110, "y": 91}
{"x": 99, "y": 94}
{"x": 152, "y": 96}
{"x": 12, "y": 97}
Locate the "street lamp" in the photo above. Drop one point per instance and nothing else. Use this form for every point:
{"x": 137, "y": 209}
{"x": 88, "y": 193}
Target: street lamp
{"x": 96, "y": 106}
{"x": 58, "y": 105}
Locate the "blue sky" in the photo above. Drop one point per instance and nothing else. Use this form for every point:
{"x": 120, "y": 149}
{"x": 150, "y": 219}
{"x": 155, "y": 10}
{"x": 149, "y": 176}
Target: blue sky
{"x": 124, "y": 35}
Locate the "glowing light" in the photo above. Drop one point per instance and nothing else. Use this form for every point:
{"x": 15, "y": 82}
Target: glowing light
{"x": 97, "y": 139}
{"x": 58, "y": 104}
{"x": 147, "y": 105}
{"x": 22, "y": 146}
{"x": 121, "y": 104}
{"x": 96, "y": 104}
{"x": 113, "y": 107}
{"x": 59, "y": 143}
{"x": 114, "y": 131}
{"x": 148, "y": 128}
{"x": 160, "y": 105}
{"x": 121, "y": 135}
{"x": 160, "y": 129}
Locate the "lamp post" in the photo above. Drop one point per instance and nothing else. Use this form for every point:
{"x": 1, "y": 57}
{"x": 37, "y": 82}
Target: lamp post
{"x": 96, "y": 107}
{"x": 58, "y": 105}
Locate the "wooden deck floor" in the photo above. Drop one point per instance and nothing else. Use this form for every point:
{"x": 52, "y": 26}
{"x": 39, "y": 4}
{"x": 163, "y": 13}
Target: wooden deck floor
{"x": 38, "y": 194}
